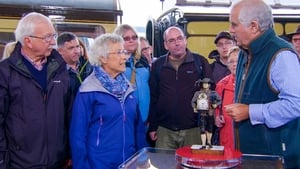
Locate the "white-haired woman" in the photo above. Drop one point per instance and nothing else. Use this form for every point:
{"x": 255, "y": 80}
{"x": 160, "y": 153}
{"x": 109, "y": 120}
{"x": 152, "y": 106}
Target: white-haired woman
{"x": 106, "y": 127}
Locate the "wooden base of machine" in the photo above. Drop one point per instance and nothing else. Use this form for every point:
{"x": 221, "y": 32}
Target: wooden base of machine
{"x": 211, "y": 150}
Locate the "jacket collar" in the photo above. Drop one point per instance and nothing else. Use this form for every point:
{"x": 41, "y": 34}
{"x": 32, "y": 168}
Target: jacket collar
{"x": 258, "y": 44}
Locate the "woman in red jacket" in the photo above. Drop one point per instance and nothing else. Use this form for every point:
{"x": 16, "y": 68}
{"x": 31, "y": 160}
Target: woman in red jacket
{"x": 225, "y": 88}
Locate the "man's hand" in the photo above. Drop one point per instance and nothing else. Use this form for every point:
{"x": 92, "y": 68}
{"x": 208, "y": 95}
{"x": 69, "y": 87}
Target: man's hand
{"x": 238, "y": 112}
{"x": 153, "y": 135}
{"x": 219, "y": 121}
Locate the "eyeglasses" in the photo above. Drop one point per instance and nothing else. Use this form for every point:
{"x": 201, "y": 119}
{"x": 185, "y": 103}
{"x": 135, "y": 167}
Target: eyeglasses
{"x": 178, "y": 39}
{"x": 226, "y": 44}
{"x": 295, "y": 39}
{"x": 127, "y": 38}
{"x": 145, "y": 48}
{"x": 232, "y": 62}
{"x": 46, "y": 38}
{"x": 120, "y": 52}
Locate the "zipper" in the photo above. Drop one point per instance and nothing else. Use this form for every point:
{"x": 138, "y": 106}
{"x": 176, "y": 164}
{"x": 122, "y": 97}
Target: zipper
{"x": 45, "y": 96}
{"x": 123, "y": 127}
{"x": 239, "y": 96}
{"x": 99, "y": 130}
{"x": 244, "y": 78}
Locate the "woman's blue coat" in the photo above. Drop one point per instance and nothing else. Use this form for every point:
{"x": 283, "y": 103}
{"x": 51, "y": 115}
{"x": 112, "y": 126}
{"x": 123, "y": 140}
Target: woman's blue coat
{"x": 104, "y": 131}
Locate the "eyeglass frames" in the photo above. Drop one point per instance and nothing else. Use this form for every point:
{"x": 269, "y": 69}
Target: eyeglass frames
{"x": 46, "y": 38}
{"x": 178, "y": 39}
{"x": 128, "y": 38}
{"x": 226, "y": 44}
{"x": 145, "y": 48}
{"x": 120, "y": 52}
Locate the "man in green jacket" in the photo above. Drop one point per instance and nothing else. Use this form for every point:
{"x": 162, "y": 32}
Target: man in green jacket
{"x": 267, "y": 96}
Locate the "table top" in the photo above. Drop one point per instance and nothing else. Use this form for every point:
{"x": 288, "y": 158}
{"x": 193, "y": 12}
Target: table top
{"x": 166, "y": 159}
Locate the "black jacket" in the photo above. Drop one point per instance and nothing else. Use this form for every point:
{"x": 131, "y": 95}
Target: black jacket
{"x": 171, "y": 96}
{"x": 33, "y": 131}
{"x": 85, "y": 69}
{"x": 219, "y": 70}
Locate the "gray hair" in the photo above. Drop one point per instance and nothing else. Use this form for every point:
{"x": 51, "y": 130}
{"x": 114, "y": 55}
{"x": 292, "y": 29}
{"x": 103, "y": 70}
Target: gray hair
{"x": 255, "y": 10}
{"x": 172, "y": 27}
{"x": 100, "y": 47}
{"x": 142, "y": 38}
{"x": 26, "y": 25}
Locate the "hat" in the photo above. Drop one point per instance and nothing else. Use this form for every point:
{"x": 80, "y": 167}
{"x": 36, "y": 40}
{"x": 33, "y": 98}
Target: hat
{"x": 223, "y": 34}
{"x": 290, "y": 35}
{"x": 205, "y": 80}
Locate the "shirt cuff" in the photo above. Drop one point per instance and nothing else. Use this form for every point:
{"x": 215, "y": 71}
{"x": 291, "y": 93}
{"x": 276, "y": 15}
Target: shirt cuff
{"x": 256, "y": 114}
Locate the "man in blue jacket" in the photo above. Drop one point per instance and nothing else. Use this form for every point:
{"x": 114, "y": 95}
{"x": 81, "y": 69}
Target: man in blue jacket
{"x": 267, "y": 96}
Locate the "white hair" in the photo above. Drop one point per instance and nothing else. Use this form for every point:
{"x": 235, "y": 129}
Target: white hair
{"x": 101, "y": 45}
{"x": 26, "y": 25}
{"x": 255, "y": 10}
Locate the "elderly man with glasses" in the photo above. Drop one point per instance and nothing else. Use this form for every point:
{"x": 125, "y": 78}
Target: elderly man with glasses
{"x": 34, "y": 99}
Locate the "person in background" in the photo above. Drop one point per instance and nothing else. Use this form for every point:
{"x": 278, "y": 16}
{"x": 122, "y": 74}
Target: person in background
{"x": 70, "y": 50}
{"x": 85, "y": 68}
{"x": 83, "y": 50}
{"x": 294, "y": 38}
{"x": 9, "y": 47}
{"x": 225, "y": 88}
{"x": 2, "y": 46}
{"x": 267, "y": 97}
{"x": 172, "y": 121}
{"x": 34, "y": 99}
{"x": 224, "y": 41}
{"x": 137, "y": 68}
{"x": 106, "y": 126}
{"x": 98, "y": 30}
{"x": 146, "y": 49}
